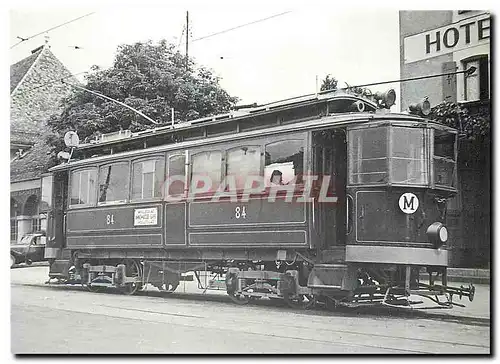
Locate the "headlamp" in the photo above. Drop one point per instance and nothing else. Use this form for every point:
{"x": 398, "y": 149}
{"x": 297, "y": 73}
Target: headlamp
{"x": 437, "y": 234}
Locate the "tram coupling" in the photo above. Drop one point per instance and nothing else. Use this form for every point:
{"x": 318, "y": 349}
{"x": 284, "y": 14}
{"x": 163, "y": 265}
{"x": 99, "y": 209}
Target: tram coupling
{"x": 461, "y": 291}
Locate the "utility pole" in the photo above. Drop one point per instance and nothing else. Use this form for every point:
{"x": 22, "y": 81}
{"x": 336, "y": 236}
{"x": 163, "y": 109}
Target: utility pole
{"x": 187, "y": 39}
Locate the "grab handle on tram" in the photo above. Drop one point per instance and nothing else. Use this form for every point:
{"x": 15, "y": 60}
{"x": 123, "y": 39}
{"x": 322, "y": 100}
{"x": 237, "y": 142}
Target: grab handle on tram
{"x": 349, "y": 214}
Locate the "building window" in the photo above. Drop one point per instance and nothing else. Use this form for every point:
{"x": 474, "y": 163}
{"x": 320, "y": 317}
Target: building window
{"x": 113, "y": 182}
{"x": 284, "y": 162}
{"x": 207, "y": 166}
{"x": 477, "y": 84}
{"x": 83, "y": 187}
{"x": 243, "y": 162}
{"x": 13, "y": 229}
{"x": 36, "y": 224}
{"x": 147, "y": 178}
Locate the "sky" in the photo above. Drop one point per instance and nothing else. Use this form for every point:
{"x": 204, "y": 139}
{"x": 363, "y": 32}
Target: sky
{"x": 267, "y": 61}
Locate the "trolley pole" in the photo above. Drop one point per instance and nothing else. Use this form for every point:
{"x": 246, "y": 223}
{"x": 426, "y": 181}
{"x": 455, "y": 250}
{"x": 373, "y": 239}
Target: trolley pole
{"x": 187, "y": 40}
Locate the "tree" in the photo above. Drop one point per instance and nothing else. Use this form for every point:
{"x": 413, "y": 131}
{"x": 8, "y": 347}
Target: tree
{"x": 329, "y": 83}
{"x": 151, "y": 78}
{"x": 475, "y": 128}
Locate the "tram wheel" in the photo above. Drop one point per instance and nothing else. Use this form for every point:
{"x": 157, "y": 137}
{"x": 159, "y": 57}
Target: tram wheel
{"x": 301, "y": 301}
{"x": 132, "y": 269}
{"x": 239, "y": 298}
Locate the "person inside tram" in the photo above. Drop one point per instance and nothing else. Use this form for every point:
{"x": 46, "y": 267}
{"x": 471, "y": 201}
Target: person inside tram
{"x": 277, "y": 178}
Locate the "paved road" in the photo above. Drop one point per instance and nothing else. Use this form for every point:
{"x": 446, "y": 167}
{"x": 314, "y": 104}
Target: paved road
{"x": 70, "y": 320}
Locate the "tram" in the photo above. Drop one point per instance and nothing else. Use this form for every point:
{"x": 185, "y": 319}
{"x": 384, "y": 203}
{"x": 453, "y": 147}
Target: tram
{"x": 324, "y": 199}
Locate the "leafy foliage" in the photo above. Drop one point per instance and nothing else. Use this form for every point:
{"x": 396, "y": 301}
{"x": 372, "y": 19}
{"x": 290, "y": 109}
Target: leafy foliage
{"x": 151, "y": 78}
{"x": 329, "y": 83}
{"x": 473, "y": 127}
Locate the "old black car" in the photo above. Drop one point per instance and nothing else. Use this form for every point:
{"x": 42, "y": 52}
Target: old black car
{"x": 30, "y": 249}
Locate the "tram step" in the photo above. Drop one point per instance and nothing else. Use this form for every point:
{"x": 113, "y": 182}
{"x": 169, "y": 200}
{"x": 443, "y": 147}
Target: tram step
{"x": 59, "y": 269}
{"x": 323, "y": 286}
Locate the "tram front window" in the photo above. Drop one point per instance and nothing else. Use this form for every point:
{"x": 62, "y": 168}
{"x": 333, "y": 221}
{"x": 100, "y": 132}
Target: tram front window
{"x": 368, "y": 155}
{"x": 444, "y": 158}
{"x": 408, "y": 156}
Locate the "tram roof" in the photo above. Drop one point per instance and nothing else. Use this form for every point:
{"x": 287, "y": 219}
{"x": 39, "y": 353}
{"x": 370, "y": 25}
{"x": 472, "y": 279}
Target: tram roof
{"x": 332, "y": 121}
{"x": 232, "y": 116}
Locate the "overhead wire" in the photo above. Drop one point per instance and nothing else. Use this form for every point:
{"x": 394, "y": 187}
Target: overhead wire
{"x": 50, "y": 29}
{"x": 241, "y": 26}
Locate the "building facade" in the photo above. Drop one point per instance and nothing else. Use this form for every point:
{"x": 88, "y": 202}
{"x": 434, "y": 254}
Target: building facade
{"x": 36, "y": 93}
{"x": 435, "y": 42}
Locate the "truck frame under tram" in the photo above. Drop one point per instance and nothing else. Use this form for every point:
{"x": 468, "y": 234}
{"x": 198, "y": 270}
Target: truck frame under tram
{"x": 328, "y": 200}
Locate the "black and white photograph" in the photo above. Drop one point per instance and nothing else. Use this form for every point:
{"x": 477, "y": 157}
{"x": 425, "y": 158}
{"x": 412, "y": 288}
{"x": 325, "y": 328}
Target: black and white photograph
{"x": 249, "y": 178}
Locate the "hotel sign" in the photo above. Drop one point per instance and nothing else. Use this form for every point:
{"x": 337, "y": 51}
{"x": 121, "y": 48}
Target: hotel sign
{"x": 466, "y": 33}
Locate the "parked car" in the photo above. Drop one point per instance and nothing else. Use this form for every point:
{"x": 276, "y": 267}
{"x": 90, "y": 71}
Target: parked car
{"x": 30, "y": 249}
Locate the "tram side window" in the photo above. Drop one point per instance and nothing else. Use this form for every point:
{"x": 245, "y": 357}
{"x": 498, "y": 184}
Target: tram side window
{"x": 207, "y": 168}
{"x": 368, "y": 155}
{"x": 243, "y": 162}
{"x": 83, "y": 187}
{"x": 444, "y": 158}
{"x": 46, "y": 201}
{"x": 284, "y": 162}
{"x": 147, "y": 178}
{"x": 176, "y": 174}
{"x": 113, "y": 182}
{"x": 408, "y": 156}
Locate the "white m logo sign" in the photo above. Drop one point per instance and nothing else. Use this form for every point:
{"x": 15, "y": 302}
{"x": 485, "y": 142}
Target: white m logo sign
{"x": 408, "y": 203}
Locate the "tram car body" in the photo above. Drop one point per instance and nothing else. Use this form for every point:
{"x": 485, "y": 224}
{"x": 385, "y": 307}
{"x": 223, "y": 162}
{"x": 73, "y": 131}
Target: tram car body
{"x": 346, "y": 204}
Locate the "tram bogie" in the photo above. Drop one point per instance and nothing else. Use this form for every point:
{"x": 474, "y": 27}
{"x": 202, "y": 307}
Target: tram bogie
{"x": 333, "y": 207}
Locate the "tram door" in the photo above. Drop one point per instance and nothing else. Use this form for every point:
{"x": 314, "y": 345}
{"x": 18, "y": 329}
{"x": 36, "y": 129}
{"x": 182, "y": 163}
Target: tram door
{"x": 330, "y": 160}
{"x": 56, "y": 217}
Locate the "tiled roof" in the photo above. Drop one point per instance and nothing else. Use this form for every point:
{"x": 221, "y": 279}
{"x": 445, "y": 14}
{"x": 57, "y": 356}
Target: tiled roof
{"x": 19, "y": 69}
{"x": 35, "y": 162}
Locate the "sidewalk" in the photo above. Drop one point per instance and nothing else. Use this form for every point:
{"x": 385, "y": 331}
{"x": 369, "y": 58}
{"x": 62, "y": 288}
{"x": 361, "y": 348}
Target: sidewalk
{"x": 466, "y": 275}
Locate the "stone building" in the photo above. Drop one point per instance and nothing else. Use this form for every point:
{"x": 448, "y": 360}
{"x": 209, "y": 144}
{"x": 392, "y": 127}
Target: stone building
{"x": 36, "y": 93}
{"x": 434, "y": 42}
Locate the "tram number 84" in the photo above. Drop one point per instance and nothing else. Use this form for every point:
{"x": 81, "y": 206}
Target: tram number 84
{"x": 240, "y": 212}
{"x": 110, "y": 219}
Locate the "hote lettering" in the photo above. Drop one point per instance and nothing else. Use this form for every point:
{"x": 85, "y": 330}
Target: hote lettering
{"x": 451, "y": 36}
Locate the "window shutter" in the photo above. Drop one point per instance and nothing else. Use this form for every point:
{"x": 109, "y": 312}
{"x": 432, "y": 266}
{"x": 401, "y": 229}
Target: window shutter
{"x": 450, "y": 82}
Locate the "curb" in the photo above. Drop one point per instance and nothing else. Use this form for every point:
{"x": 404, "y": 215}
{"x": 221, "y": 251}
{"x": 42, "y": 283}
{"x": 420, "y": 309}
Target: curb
{"x": 466, "y": 275}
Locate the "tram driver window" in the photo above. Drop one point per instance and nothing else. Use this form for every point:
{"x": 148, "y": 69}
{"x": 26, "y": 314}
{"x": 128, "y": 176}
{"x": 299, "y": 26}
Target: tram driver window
{"x": 207, "y": 166}
{"x": 83, "y": 187}
{"x": 368, "y": 155}
{"x": 444, "y": 158}
{"x": 408, "y": 156}
{"x": 147, "y": 178}
{"x": 284, "y": 162}
{"x": 113, "y": 182}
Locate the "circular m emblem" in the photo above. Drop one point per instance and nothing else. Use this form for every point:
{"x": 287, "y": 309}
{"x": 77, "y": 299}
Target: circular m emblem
{"x": 408, "y": 203}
